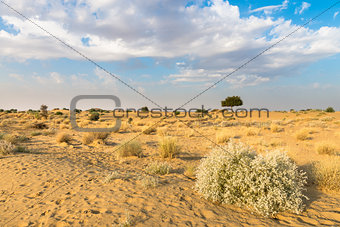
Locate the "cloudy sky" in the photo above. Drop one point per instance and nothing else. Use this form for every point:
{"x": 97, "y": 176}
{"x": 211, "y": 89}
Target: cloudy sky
{"x": 170, "y": 51}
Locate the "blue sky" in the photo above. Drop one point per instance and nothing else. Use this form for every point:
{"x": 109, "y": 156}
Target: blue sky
{"x": 170, "y": 50}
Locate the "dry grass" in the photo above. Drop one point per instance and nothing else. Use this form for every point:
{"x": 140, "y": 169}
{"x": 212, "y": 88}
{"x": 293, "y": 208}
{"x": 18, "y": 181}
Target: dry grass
{"x": 326, "y": 148}
{"x": 63, "y": 138}
{"x": 223, "y": 137}
{"x": 253, "y": 132}
{"x": 88, "y": 138}
{"x": 149, "y": 181}
{"x": 132, "y": 148}
{"x": 156, "y": 167}
{"x": 6, "y": 148}
{"x": 302, "y": 135}
{"x": 147, "y": 130}
{"x": 168, "y": 147}
{"x": 276, "y": 128}
{"x": 327, "y": 174}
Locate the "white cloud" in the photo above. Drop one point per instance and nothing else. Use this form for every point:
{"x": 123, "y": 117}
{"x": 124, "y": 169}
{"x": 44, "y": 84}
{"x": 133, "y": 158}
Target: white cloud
{"x": 57, "y": 77}
{"x": 209, "y": 41}
{"x": 270, "y": 9}
{"x": 304, "y": 7}
{"x": 16, "y": 76}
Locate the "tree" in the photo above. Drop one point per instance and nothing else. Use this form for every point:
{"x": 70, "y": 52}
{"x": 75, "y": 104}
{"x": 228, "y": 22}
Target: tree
{"x": 232, "y": 101}
{"x": 43, "y": 111}
{"x": 94, "y": 116}
{"x": 330, "y": 110}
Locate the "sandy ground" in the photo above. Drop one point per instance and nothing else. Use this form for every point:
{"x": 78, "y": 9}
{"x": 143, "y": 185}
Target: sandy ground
{"x": 64, "y": 185}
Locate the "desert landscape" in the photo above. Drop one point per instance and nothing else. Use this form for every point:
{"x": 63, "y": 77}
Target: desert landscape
{"x": 145, "y": 174}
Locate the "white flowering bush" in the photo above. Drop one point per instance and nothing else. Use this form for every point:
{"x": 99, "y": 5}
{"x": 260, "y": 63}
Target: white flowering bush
{"x": 267, "y": 184}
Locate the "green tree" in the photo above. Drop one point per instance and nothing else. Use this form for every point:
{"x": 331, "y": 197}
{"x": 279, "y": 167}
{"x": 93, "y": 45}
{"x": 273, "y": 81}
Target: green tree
{"x": 330, "y": 110}
{"x": 232, "y": 101}
{"x": 43, "y": 111}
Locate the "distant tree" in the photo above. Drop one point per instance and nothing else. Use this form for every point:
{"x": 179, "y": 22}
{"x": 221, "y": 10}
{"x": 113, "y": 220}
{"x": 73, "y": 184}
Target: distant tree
{"x": 145, "y": 109}
{"x": 94, "y": 116}
{"x": 43, "y": 111}
{"x": 232, "y": 101}
{"x": 330, "y": 110}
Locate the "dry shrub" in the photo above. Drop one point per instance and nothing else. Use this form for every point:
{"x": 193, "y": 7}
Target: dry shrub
{"x": 252, "y": 132}
{"x": 223, "y": 137}
{"x": 302, "y": 134}
{"x": 149, "y": 181}
{"x": 6, "y": 148}
{"x": 63, "y": 138}
{"x": 163, "y": 131}
{"x": 267, "y": 184}
{"x": 156, "y": 167}
{"x": 168, "y": 147}
{"x": 14, "y": 139}
{"x": 132, "y": 148}
{"x": 327, "y": 174}
{"x": 326, "y": 148}
{"x": 148, "y": 130}
{"x": 91, "y": 136}
{"x": 276, "y": 128}
{"x": 190, "y": 170}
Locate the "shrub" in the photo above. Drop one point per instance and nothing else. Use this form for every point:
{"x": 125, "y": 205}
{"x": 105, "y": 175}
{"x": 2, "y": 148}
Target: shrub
{"x": 276, "y": 128}
{"x": 94, "y": 116}
{"x": 252, "y": 132}
{"x": 326, "y": 148}
{"x": 6, "y": 148}
{"x": 168, "y": 147}
{"x": 303, "y": 134}
{"x": 148, "y": 130}
{"x": 36, "y": 133}
{"x": 223, "y": 137}
{"x": 43, "y": 111}
{"x": 58, "y": 113}
{"x": 90, "y": 137}
{"x": 327, "y": 174}
{"x": 63, "y": 138}
{"x": 14, "y": 139}
{"x": 161, "y": 168}
{"x": 132, "y": 148}
{"x": 149, "y": 181}
{"x": 267, "y": 183}
{"x": 330, "y": 110}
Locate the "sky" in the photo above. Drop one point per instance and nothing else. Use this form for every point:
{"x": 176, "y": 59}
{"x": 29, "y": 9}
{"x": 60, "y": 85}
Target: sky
{"x": 169, "y": 51}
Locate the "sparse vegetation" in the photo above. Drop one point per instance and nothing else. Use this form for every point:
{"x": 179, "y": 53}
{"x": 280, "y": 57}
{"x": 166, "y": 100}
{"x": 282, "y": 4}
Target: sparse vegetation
{"x": 6, "y": 147}
{"x": 131, "y": 148}
{"x": 302, "y": 134}
{"x": 268, "y": 184}
{"x": 148, "y": 181}
{"x": 168, "y": 147}
{"x": 156, "y": 167}
{"x": 327, "y": 174}
{"x": 63, "y": 138}
{"x": 92, "y": 136}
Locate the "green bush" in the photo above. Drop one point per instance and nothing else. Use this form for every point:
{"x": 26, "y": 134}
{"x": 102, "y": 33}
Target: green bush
{"x": 268, "y": 184}
{"x": 94, "y": 116}
{"x": 330, "y": 110}
{"x": 58, "y": 113}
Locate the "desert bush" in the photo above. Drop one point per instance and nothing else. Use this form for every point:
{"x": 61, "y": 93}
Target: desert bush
{"x": 15, "y": 139}
{"x": 190, "y": 170}
{"x": 63, "y": 138}
{"x": 94, "y": 116}
{"x": 91, "y": 136}
{"x": 252, "y": 132}
{"x": 327, "y": 174}
{"x": 112, "y": 176}
{"x": 149, "y": 181}
{"x": 223, "y": 137}
{"x": 168, "y": 147}
{"x": 156, "y": 167}
{"x": 330, "y": 110}
{"x": 148, "y": 130}
{"x": 268, "y": 183}
{"x": 326, "y": 148}
{"x": 36, "y": 133}
{"x": 43, "y": 111}
{"x": 49, "y": 132}
{"x": 6, "y": 147}
{"x": 303, "y": 134}
{"x": 276, "y": 128}
{"x": 132, "y": 148}
{"x": 59, "y": 113}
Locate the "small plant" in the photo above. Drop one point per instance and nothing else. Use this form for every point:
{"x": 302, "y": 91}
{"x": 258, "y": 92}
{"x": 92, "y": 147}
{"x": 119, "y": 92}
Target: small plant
{"x": 36, "y": 133}
{"x": 330, "y": 110}
{"x": 303, "y": 134}
{"x": 276, "y": 128}
{"x": 15, "y": 139}
{"x": 63, "y": 138}
{"x": 168, "y": 147}
{"x": 59, "y": 113}
{"x": 92, "y": 136}
{"x": 132, "y": 148}
{"x": 6, "y": 148}
{"x": 148, "y": 130}
{"x": 190, "y": 171}
{"x": 149, "y": 181}
{"x": 268, "y": 183}
{"x": 252, "y": 132}
{"x": 94, "y": 116}
{"x": 156, "y": 167}
{"x": 326, "y": 148}
{"x": 223, "y": 137}
{"x": 112, "y": 176}
{"x": 327, "y": 174}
